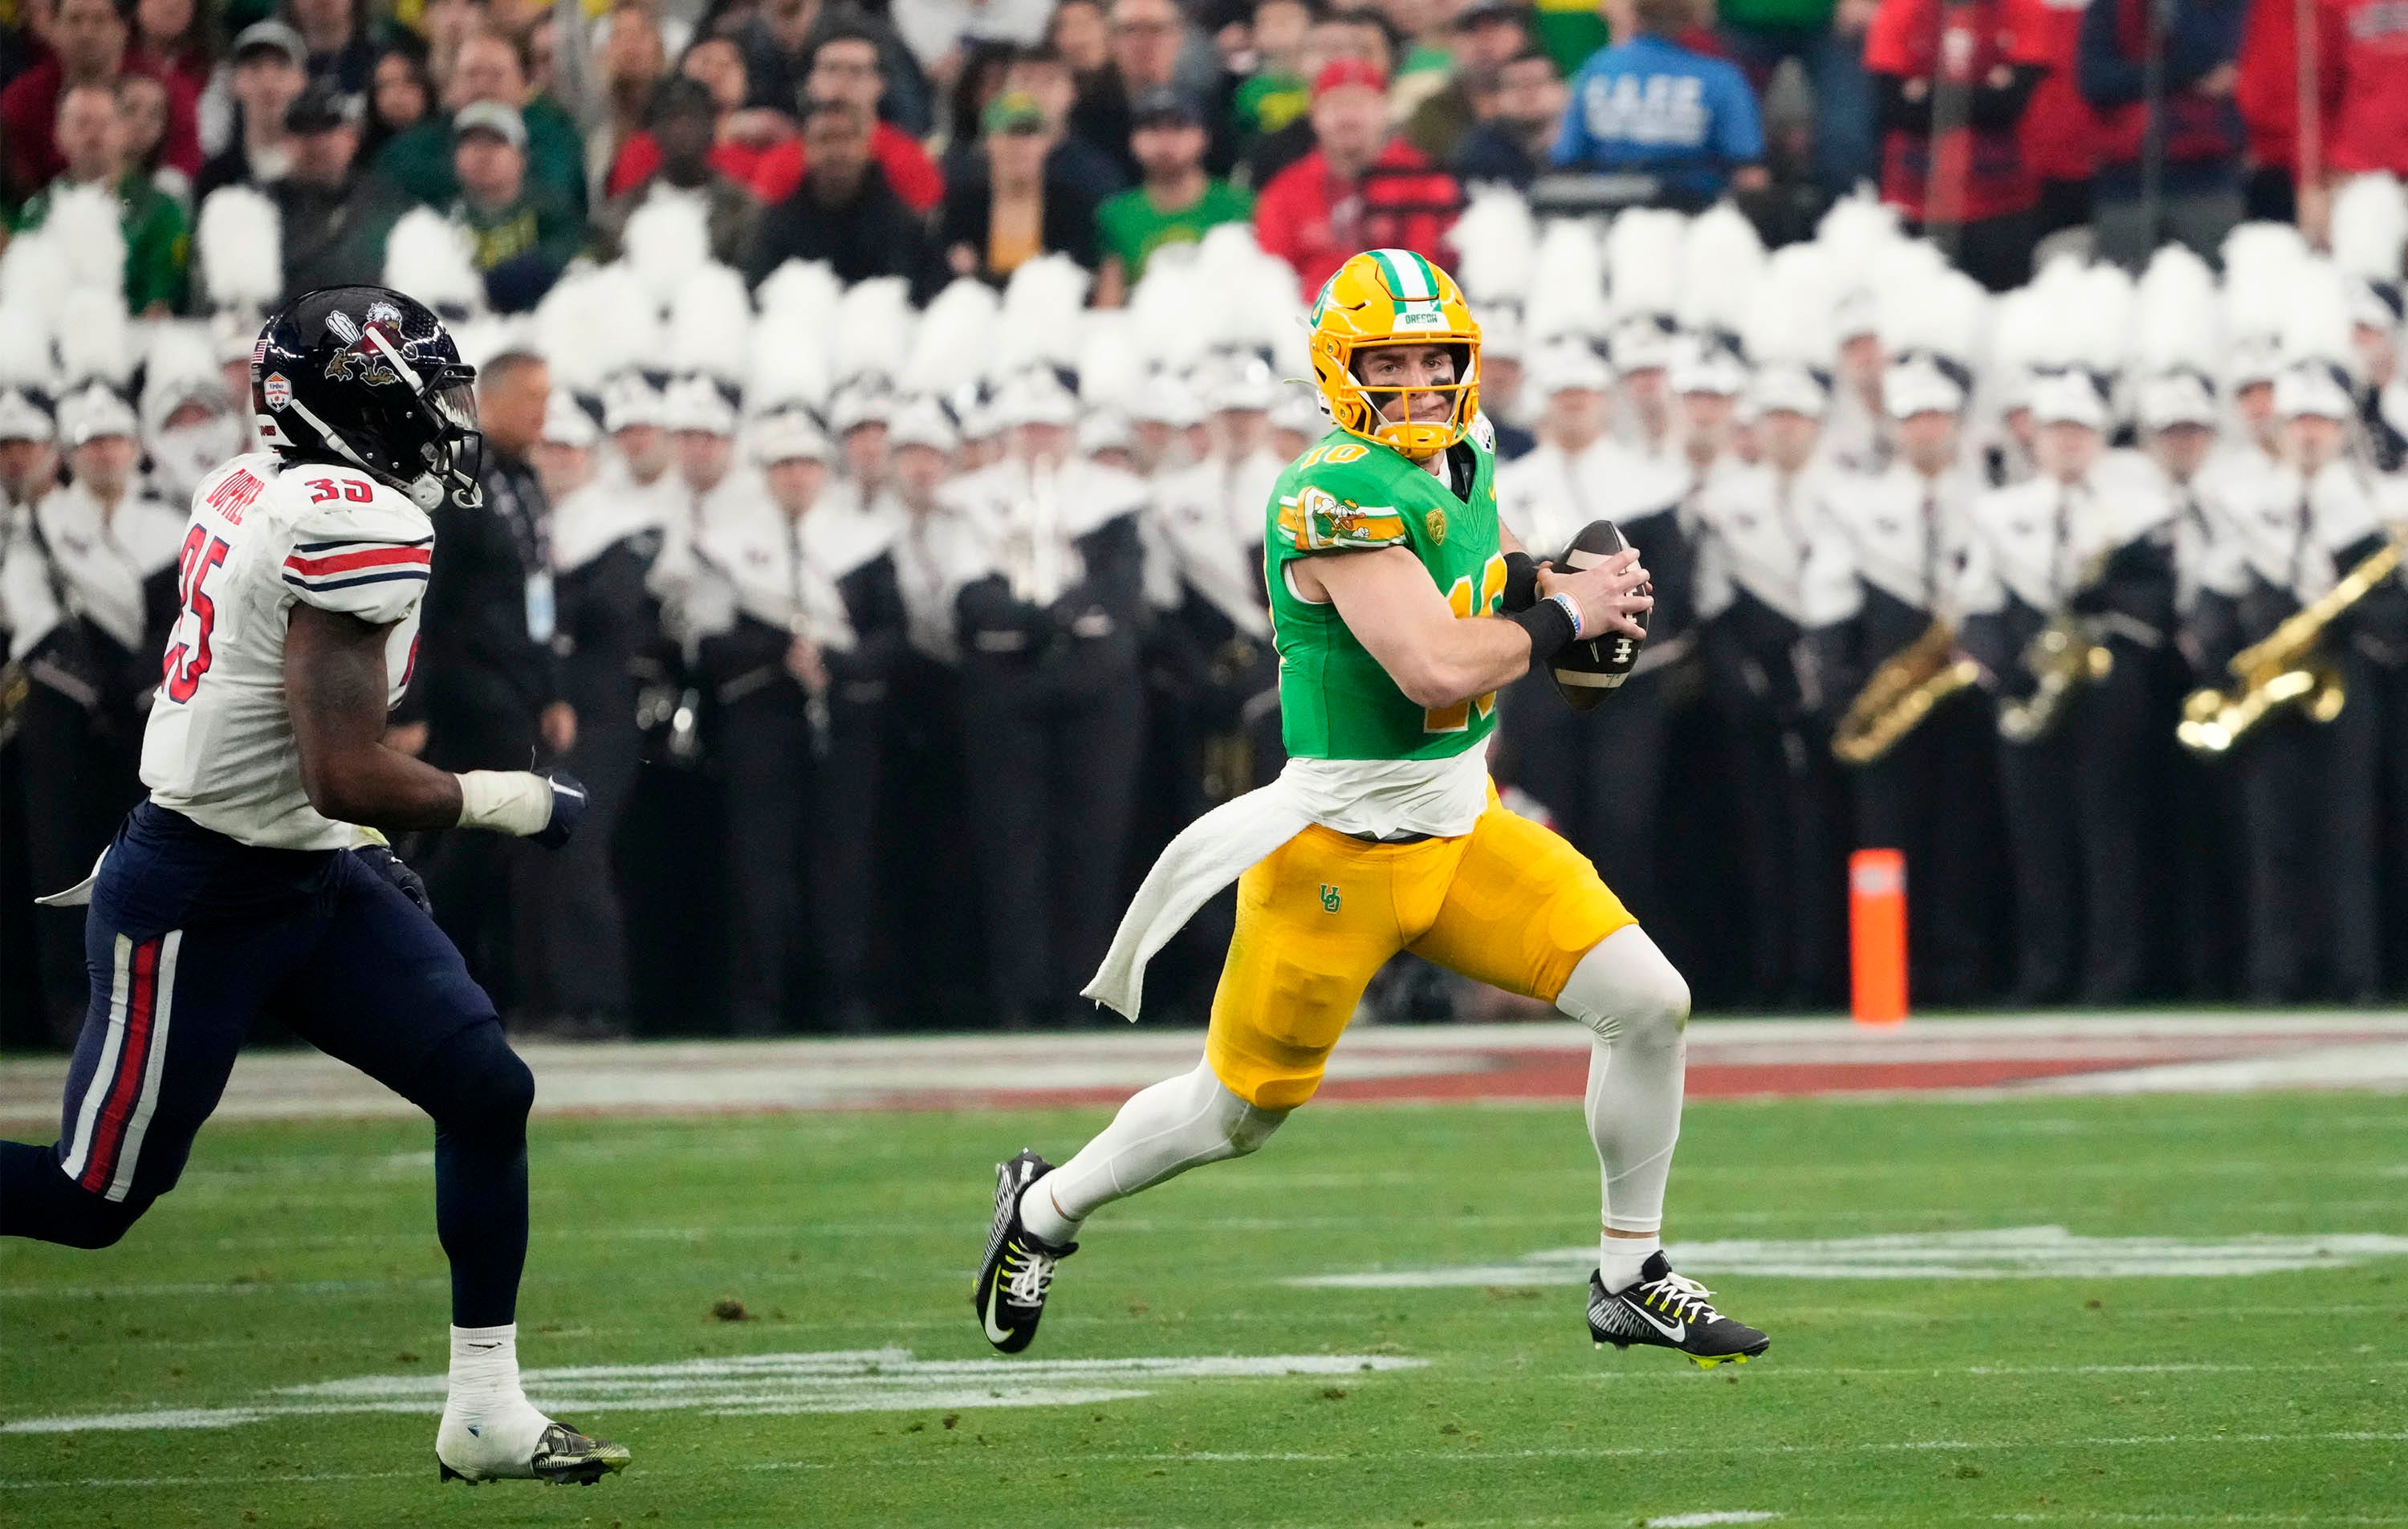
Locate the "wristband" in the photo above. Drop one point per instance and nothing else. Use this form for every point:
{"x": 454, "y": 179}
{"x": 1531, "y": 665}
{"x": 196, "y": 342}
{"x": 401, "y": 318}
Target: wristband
{"x": 1521, "y": 582}
{"x": 1571, "y": 608}
{"x": 1551, "y": 625}
{"x": 508, "y": 801}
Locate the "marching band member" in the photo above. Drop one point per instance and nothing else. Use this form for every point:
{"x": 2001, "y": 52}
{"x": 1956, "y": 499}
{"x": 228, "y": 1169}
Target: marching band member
{"x": 1757, "y": 526}
{"x": 2310, "y": 791}
{"x": 91, "y": 579}
{"x": 2067, "y": 594}
{"x": 1054, "y": 704}
{"x": 766, "y": 651}
{"x": 605, "y": 538}
{"x": 2180, "y": 416}
{"x": 1879, "y": 600}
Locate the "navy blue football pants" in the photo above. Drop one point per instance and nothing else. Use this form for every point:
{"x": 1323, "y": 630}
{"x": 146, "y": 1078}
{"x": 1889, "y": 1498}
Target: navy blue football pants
{"x": 190, "y": 937}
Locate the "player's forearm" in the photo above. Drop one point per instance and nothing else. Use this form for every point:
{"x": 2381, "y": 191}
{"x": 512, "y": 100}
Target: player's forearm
{"x": 1476, "y": 657}
{"x": 381, "y": 788}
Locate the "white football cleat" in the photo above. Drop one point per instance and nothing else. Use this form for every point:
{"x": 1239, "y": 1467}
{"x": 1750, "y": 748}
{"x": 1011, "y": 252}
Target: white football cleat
{"x": 524, "y": 1445}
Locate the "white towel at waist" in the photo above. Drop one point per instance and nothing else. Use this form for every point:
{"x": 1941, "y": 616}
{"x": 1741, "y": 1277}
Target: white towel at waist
{"x": 1444, "y": 798}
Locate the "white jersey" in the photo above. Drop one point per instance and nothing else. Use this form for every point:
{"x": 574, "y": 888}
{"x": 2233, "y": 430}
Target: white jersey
{"x": 265, "y": 535}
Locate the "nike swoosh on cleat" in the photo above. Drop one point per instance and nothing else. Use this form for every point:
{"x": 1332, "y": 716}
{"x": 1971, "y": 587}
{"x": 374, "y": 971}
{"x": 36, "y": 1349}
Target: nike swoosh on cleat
{"x": 1677, "y": 1332}
{"x": 986, "y": 1312}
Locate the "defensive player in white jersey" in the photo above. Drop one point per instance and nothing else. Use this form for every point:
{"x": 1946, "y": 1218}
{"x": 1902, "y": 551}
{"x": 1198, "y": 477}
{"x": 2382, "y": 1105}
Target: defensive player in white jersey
{"x": 243, "y": 884}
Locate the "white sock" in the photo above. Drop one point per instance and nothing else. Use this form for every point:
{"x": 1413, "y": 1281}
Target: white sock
{"x": 1161, "y": 1132}
{"x": 1042, "y": 1217}
{"x": 1627, "y": 992}
{"x": 486, "y": 1404}
{"x": 1620, "y": 1259}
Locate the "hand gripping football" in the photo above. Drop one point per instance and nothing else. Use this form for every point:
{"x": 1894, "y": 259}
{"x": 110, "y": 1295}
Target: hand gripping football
{"x": 1587, "y": 671}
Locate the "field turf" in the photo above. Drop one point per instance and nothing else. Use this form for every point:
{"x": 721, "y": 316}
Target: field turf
{"x": 296, "y": 1255}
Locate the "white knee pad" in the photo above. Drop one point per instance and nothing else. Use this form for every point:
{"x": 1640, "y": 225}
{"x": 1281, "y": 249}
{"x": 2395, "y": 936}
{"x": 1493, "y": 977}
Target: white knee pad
{"x": 1625, "y": 990}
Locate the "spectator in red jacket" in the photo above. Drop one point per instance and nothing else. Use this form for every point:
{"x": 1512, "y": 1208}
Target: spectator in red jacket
{"x": 1359, "y": 189}
{"x": 2060, "y": 132}
{"x": 2363, "y": 50}
{"x": 842, "y": 64}
{"x": 88, "y": 39}
{"x": 1976, "y": 190}
{"x": 2268, "y": 94}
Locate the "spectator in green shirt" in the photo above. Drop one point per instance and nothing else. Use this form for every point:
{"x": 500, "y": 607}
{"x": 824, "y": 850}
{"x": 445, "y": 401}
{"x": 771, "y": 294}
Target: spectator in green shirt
{"x": 524, "y": 235}
{"x": 91, "y": 138}
{"x": 491, "y": 69}
{"x": 1173, "y": 203}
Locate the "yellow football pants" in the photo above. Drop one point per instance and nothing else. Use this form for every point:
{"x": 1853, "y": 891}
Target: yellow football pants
{"x": 1510, "y": 904}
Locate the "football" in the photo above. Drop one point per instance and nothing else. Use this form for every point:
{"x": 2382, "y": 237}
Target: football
{"x": 1587, "y": 671}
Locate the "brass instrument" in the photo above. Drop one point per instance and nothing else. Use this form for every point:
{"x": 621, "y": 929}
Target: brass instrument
{"x": 1903, "y": 691}
{"x": 2064, "y": 658}
{"x": 2284, "y": 668}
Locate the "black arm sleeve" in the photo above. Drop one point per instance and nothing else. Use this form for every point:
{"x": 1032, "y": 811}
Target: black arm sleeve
{"x": 1521, "y": 581}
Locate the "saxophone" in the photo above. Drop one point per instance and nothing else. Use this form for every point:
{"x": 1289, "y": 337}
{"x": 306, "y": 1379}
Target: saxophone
{"x": 2064, "y": 658}
{"x": 2283, "y": 670}
{"x": 1903, "y": 691}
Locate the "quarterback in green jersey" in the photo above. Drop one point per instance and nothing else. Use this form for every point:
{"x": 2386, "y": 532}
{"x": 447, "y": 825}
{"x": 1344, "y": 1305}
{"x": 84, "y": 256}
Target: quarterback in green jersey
{"x": 1399, "y": 606}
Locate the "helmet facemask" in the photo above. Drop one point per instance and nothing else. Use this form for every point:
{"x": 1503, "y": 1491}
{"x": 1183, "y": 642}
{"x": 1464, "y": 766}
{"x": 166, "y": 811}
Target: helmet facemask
{"x": 1418, "y": 437}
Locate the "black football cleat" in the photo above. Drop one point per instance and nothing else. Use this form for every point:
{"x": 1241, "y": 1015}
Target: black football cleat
{"x": 1019, "y": 1268}
{"x": 561, "y": 1456}
{"x": 1670, "y": 1312}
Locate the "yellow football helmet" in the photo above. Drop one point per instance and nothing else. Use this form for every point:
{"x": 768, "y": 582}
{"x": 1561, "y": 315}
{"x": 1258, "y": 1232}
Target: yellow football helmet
{"x": 1393, "y": 297}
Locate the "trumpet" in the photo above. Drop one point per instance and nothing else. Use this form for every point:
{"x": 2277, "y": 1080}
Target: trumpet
{"x": 2064, "y": 658}
{"x": 1903, "y": 691}
{"x": 2283, "y": 670}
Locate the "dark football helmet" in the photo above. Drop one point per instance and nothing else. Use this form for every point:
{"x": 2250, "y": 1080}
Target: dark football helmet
{"x": 367, "y": 376}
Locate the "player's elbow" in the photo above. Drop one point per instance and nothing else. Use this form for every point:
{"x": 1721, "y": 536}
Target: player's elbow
{"x": 1437, "y": 681}
{"x": 1427, "y": 684}
{"x": 339, "y": 786}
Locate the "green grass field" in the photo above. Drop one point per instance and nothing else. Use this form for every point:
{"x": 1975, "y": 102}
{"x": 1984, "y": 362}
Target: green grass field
{"x": 297, "y": 1256}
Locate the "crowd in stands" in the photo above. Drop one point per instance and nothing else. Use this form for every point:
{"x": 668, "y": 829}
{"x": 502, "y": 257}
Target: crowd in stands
{"x": 875, "y": 485}
{"x": 933, "y": 138}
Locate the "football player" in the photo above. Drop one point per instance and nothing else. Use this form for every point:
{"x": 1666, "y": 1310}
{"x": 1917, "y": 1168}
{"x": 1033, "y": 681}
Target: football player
{"x": 1399, "y": 608}
{"x": 242, "y": 884}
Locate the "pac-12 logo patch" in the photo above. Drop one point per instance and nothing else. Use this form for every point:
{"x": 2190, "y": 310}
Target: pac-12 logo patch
{"x": 277, "y": 389}
{"x": 1436, "y": 521}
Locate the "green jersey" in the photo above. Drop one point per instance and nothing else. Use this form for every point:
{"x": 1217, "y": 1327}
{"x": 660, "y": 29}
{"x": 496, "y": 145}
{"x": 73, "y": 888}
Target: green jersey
{"x": 1348, "y": 494}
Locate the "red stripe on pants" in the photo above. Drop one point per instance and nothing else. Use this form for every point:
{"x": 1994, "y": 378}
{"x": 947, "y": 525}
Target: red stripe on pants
{"x": 133, "y": 1058}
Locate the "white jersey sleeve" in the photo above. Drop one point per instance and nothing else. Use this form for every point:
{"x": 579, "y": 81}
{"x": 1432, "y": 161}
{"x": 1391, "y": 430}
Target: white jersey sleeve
{"x": 366, "y": 557}
{"x": 265, "y": 535}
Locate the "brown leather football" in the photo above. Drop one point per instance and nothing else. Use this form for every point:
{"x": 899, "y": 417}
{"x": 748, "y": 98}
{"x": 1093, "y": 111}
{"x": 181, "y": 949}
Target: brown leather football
{"x": 1587, "y": 671}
